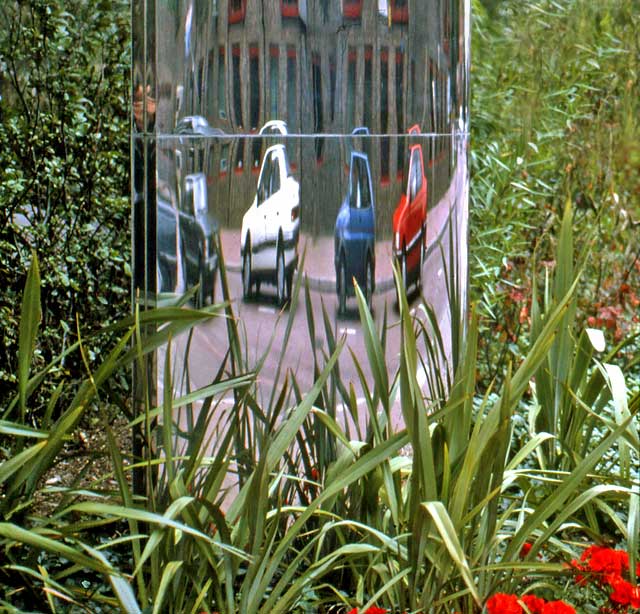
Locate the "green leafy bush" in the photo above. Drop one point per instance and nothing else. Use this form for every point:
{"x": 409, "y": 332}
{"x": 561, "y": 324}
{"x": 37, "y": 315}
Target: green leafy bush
{"x": 64, "y": 129}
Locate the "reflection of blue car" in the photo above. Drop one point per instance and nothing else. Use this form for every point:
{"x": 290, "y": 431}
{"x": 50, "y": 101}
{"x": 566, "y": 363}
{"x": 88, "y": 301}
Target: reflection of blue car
{"x": 355, "y": 234}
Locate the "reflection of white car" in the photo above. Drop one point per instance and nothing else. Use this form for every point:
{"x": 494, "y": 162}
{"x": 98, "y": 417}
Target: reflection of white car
{"x": 270, "y": 228}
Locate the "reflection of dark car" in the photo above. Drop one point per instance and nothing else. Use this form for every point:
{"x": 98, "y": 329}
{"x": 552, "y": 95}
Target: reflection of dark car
{"x": 198, "y": 238}
{"x": 169, "y": 266}
{"x": 271, "y": 225}
{"x": 186, "y": 240}
{"x": 410, "y": 219}
{"x": 355, "y": 233}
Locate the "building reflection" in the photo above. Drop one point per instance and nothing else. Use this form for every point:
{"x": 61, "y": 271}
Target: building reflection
{"x": 324, "y": 67}
{"x": 239, "y": 64}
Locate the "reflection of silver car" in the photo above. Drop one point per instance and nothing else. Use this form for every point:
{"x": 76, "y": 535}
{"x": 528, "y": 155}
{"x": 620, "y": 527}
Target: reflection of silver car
{"x": 186, "y": 240}
{"x": 193, "y": 124}
{"x": 271, "y": 226}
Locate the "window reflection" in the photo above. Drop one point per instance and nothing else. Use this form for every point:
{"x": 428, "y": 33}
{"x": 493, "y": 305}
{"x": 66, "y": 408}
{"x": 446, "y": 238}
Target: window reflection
{"x": 400, "y": 90}
{"x": 237, "y": 11}
{"x": 367, "y": 96}
{"x": 352, "y": 9}
{"x": 237, "y": 85}
{"x": 400, "y": 11}
{"x": 320, "y": 65}
{"x": 274, "y": 79}
{"x": 289, "y": 8}
{"x": 351, "y": 87}
{"x": 332, "y": 85}
{"x": 292, "y": 89}
{"x": 317, "y": 102}
{"x": 255, "y": 85}
{"x": 239, "y": 159}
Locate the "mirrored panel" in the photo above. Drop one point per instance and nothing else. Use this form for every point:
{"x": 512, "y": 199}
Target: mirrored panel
{"x": 309, "y": 147}
{"x": 321, "y": 66}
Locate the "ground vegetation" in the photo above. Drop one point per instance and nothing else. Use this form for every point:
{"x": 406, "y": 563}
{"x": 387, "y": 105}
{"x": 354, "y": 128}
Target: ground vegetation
{"x": 517, "y": 492}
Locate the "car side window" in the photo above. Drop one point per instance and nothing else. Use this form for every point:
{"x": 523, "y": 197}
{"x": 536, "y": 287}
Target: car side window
{"x": 355, "y": 195}
{"x": 187, "y": 203}
{"x": 415, "y": 175}
{"x": 359, "y": 192}
{"x": 365, "y": 201}
{"x": 265, "y": 179}
{"x": 354, "y": 191}
{"x": 275, "y": 176}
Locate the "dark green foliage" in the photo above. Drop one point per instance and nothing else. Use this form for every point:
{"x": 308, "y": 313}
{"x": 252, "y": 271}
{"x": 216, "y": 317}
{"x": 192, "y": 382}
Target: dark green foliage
{"x": 64, "y": 172}
{"x": 435, "y": 527}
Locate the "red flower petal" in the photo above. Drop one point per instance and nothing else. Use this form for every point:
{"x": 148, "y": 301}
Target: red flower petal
{"x": 534, "y": 604}
{"x": 502, "y": 603}
{"x": 557, "y": 607}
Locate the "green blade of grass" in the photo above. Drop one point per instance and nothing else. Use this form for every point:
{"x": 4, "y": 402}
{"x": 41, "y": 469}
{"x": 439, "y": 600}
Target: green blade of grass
{"x": 449, "y": 537}
{"x": 30, "y": 316}
{"x": 55, "y": 547}
{"x": 168, "y": 574}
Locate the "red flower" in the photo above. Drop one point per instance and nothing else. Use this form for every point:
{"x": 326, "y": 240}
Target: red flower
{"x": 501, "y": 603}
{"x": 534, "y": 604}
{"x": 557, "y": 607}
{"x": 624, "y": 592}
{"x": 605, "y": 561}
{"x": 526, "y": 548}
{"x": 372, "y": 610}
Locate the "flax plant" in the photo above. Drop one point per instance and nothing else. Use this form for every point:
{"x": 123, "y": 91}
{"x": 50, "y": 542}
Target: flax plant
{"x": 288, "y": 509}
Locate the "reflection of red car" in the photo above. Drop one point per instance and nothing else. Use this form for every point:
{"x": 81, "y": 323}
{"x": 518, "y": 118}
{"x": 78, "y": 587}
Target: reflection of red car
{"x": 410, "y": 218}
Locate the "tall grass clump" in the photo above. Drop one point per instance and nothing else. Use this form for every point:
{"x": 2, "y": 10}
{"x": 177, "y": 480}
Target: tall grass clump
{"x": 287, "y": 510}
{"x": 555, "y": 98}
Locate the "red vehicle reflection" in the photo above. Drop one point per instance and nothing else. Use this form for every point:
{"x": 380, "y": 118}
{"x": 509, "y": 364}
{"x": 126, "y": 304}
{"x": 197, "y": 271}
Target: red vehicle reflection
{"x": 410, "y": 219}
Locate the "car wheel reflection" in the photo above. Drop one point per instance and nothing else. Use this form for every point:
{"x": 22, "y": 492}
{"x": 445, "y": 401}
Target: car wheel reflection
{"x": 201, "y": 298}
{"x": 342, "y": 285}
{"x": 403, "y": 267}
{"x": 247, "y": 282}
{"x": 281, "y": 282}
{"x": 369, "y": 283}
{"x": 423, "y": 256}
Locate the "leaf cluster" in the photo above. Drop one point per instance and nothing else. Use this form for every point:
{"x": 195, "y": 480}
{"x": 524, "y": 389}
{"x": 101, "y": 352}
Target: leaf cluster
{"x": 64, "y": 72}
